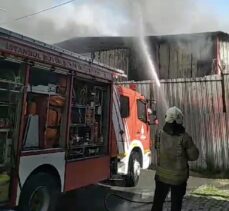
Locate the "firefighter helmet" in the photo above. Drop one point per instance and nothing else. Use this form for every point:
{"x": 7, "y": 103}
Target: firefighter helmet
{"x": 174, "y": 114}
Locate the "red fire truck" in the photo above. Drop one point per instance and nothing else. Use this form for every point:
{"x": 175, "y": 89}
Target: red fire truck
{"x": 63, "y": 124}
{"x": 131, "y": 133}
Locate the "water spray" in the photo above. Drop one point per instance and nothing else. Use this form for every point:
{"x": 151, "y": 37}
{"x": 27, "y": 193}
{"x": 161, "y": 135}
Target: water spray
{"x": 143, "y": 44}
{"x": 148, "y": 59}
{"x": 146, "y": 55}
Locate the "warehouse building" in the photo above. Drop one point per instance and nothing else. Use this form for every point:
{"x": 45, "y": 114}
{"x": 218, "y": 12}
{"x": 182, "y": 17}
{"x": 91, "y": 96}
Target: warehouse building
{"x": 175, "y": 56}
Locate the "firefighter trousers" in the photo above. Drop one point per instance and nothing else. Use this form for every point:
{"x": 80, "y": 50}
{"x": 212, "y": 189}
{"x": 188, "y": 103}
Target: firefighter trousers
{"x": 162, "y": 190}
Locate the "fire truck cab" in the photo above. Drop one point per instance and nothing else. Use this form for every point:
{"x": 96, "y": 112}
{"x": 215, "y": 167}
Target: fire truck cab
{"x": 131, "y": 133}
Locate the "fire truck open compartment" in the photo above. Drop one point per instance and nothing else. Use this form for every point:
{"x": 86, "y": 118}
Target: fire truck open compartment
{"x": 46, "y": 97}
{"x": 89, "y": 127}
{"x": 11, "y": 87}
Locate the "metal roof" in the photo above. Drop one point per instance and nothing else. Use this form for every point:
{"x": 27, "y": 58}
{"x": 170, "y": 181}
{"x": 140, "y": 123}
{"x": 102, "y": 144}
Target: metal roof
{"x": 90, "y": 44}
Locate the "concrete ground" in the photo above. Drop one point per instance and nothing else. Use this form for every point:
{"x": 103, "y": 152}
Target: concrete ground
{"x": 202, "y": 194}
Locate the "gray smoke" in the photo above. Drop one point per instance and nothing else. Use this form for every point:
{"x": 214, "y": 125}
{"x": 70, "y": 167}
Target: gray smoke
{"x": 105, "y": 17}
{"x": 177, "y": 16}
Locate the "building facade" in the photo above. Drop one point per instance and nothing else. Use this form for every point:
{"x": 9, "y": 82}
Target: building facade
{"x": 175, "y": 56}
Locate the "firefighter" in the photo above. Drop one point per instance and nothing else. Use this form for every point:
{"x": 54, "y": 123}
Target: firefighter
{"x": 174, "y": 149}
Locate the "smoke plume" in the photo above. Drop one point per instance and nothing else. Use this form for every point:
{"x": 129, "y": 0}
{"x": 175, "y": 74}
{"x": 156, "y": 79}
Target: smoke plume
{"x": 105, "y": 17}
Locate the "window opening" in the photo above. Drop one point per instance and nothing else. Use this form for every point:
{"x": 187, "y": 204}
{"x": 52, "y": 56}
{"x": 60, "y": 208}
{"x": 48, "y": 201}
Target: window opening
{"x": 142, "y": 115}
{"x": 124, "y": 106}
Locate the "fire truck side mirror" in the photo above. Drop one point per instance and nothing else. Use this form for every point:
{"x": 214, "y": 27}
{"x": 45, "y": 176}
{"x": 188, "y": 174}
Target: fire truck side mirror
{"x": 153, "y": 121}
{"x": 151, "y": 112}
{"x": 152, "y": 117}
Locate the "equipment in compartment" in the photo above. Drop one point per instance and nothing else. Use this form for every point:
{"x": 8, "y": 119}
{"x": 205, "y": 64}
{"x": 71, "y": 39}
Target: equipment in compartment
{"x": 51, "y": 138}
{"x": 51, "y": 89}
{"x": 86, "y": 138}
{"x": 48, "y": 111}
{"x": 54, "y": 116}
{"x": 80, "y": 135}
{"x": 83, "y": 114}
{"x": 5, "y": 160}
{"x": 5, "y": 144}
{"x": 32, "y": 132}
{"x": 9, "y": 95}
{"x": 4, "y": 123}
{"x": 57, "y": 100}
{"x": 46, "y": 100}
{"x": 78, "y": 114}
{"x": 11, "y": 87}
{"x": 4, "y": 187}
{"x": 62, "y": 86}
{"x": 90, "y": 115}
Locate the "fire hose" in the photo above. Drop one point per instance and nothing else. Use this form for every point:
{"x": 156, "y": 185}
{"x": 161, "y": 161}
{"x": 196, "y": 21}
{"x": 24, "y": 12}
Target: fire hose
{"x": 125, "y": 199}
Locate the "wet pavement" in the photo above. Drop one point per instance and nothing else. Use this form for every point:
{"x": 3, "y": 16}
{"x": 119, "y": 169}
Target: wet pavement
{"x": 93, "y": 198}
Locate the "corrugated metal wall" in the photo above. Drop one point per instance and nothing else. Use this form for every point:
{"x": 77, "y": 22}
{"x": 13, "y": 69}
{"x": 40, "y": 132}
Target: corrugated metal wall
{"x": 185, "y": 58}
{"x": 224, "y": 53}
{"x": 201, "y": 100}
{"x": 118, "y": 58}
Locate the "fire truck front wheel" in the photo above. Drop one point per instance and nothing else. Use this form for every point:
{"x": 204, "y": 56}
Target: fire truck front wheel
{"x": 39, "y": 193}
{"x": 134, "y": 169}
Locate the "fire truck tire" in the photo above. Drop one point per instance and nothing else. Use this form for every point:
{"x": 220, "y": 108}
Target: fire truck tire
{"x": 134, "y": 169}
{"x": 39, "y": 193}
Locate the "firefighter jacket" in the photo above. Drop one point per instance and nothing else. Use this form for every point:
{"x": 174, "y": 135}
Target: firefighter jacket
{"x": 173, "y": 154}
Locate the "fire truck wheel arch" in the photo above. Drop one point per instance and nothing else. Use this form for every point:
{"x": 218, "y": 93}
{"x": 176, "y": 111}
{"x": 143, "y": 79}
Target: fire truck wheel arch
{"x": 53, "y": 164}
{"x": 123, "y": 165}
{"x": 48, "y": 169}
{"x": 39, "y": 190}
{"x": 144, "y": 153}
{"x": 137, "y": 146}
{"x": 139, "y": 152}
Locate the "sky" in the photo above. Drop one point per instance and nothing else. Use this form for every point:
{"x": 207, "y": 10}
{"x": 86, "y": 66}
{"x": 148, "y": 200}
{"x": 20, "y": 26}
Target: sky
{"x": 220, "y": 6}
{"x": 112, "y": 18}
